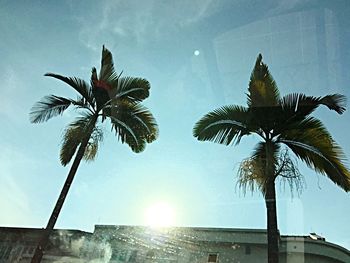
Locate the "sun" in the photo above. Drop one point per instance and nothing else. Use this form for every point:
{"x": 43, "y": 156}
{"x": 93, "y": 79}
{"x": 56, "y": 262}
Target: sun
{"x": 160, "y": 214}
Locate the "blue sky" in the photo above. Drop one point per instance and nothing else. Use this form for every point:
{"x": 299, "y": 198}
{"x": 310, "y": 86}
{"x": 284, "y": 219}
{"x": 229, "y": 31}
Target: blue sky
{"x": 303, "y": 42}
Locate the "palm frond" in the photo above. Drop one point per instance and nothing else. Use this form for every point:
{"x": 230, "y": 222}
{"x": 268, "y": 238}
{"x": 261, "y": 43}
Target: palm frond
{"x": 294, "y": 108}
{"x": 298, "y": 106}
{"x": 72, "y": 138}
{"x": 78, "y": 84}
{"x": 262, "y": 91}
{"x": 107, "y": 72}
{"x": 70, "y": 143}
{"x": 93, "y": 76}
{"x": 133, "y": 124}
{"x": 334, "y": 102}
{"x": 224, "y": 125}
{"x": 135, "y": 89}
{"x": 104, "y": 87}
{"x": 48, "y": 107}
{"x": 313, "y": 144}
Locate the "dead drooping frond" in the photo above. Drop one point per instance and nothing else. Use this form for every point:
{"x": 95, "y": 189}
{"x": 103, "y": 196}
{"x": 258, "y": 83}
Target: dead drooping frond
{"x": 93, "y": 144}
{"x": 252, "y": 174}
{"x": 288, "y": 174}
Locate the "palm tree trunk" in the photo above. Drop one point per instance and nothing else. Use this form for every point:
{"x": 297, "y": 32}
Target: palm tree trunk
{"x": 39, "y": 251}
{"x": 270, "y": 202}
{"x": 272, "y": 230}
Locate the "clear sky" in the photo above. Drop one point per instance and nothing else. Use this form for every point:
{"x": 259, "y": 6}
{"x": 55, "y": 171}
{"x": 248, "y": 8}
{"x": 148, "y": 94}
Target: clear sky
{"x": 197, "y": 55}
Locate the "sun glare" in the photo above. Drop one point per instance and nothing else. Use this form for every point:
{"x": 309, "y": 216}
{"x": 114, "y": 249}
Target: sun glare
{"x": 160, "y": 215}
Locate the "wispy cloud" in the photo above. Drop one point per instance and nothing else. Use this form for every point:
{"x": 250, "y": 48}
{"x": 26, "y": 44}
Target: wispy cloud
{"x": 140, "y": 21}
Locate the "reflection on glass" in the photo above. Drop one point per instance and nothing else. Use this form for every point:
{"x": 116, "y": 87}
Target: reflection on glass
{"x": 197, "y": 56}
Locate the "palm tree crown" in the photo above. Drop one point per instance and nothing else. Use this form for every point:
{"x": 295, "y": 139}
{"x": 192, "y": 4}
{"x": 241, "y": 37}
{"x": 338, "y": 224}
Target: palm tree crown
{"x": 108, "y": 96}
{"x": 279, "y": 122}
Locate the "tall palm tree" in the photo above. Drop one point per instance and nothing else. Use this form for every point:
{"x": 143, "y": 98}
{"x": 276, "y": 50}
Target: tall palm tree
{"x": 109, "y": 96}
{"x": 278, "y": 122}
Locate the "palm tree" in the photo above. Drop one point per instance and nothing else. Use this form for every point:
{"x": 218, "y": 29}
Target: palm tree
{"x": 278, "y": 122}
{"x": 109, "y": 96}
